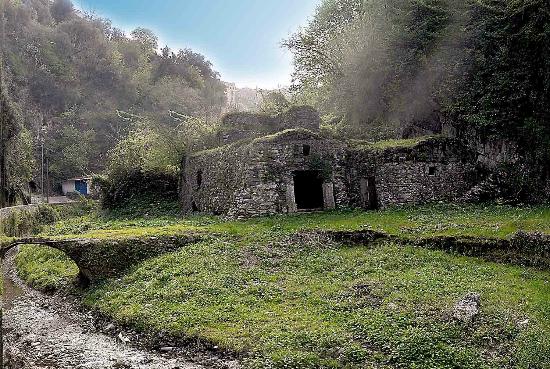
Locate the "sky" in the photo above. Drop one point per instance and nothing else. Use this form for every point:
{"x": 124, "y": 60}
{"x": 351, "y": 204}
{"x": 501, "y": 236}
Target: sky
{"x": 240, "y": 37}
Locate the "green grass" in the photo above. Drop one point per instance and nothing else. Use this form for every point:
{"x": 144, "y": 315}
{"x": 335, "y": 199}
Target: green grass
{"x": 292, "y": 304}
{"x": 431, "y": 220}
{"x": 394, "y": 143}
{"x": 45, "y": 268}
{"x": 281, "y": 300}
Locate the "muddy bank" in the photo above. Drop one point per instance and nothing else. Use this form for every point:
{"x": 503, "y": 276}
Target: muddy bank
{"x": 41, "y": 331}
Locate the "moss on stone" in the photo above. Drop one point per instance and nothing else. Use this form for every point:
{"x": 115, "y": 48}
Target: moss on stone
{"x": 392, "y": 144}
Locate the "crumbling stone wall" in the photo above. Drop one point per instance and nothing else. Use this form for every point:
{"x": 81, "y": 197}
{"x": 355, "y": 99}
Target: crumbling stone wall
{"x": 438, "y": 169}
{"x": 256, "y": 178}
{"x": 242, "y": 126}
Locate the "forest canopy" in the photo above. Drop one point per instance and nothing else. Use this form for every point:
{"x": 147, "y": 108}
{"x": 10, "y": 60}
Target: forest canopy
{"x": 392, "y": 68}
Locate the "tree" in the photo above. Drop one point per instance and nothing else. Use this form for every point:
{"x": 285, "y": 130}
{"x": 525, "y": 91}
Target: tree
{"x": 146, "y": 38}
{"x": 62, "y": 10}
{"x": 391, "y": 67}
{"x": 76, "y": 74}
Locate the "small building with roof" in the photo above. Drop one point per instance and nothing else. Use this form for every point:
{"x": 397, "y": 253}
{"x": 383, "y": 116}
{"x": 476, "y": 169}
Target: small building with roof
{"x": 78, "y": 185}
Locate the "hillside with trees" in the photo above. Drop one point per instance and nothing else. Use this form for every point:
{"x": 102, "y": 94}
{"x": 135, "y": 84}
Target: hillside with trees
{"x": 83, "y": 86}
{"x": 389, "y": 69}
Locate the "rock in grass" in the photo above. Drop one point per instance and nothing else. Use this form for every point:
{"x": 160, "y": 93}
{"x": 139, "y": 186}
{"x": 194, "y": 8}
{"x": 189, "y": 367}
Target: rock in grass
{"x": 468, "y": 308}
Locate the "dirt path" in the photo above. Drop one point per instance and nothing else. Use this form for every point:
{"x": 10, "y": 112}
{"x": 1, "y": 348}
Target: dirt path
{"x": 46, "y": 332}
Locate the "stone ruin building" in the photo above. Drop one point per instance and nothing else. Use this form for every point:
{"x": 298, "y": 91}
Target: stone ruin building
{"x": 271, "y": 165}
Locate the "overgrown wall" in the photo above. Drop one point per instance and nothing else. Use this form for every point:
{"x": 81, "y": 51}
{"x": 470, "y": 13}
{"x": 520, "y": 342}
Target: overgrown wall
{"x": 26, "y": 220}
{"x": 257, "y": 178}
{"x": 437, "y": 169}
{"x": 21, "y": 221}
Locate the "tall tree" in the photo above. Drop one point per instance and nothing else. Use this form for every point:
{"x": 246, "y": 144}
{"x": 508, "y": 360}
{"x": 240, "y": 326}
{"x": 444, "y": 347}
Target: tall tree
{"x": 391, "y": 66}
{"x": 77, "y": 77}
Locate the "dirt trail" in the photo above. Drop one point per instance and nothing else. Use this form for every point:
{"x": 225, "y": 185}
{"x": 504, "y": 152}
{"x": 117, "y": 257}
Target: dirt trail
{"x": 46, "y": 332}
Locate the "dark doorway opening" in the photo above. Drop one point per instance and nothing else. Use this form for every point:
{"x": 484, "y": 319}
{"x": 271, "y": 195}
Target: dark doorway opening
{"x": 308, "y": 190}
{"x": 199, "y": 178}
{"x": 368, "y": 193}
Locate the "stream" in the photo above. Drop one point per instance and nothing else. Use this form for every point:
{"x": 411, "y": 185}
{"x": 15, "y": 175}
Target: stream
{"x": 42, "y": 331}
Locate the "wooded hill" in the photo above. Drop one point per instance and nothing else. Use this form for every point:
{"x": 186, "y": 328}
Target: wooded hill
{"x": 387, "y": 68}
{"x": 83, "y": 85}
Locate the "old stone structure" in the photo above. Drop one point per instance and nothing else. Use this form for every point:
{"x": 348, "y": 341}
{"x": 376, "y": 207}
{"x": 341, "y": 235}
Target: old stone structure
{"x": 240, "y": 126}
{"x": 298, "y": 169}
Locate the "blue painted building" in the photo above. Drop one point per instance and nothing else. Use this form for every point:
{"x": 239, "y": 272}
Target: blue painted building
{"x": 81, "y": 185}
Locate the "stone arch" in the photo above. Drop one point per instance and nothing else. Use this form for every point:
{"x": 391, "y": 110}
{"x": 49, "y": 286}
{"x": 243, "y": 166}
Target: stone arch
{"x": 83, "y": 277}
{"x": 98, "y": 259}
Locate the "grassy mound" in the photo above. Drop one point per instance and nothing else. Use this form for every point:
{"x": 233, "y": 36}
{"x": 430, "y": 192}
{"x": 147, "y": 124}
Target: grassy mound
{"x": 45, "y": 268}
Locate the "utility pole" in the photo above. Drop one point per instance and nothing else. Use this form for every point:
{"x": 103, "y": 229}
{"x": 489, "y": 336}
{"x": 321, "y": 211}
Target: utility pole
{"x": 47, "y": 181}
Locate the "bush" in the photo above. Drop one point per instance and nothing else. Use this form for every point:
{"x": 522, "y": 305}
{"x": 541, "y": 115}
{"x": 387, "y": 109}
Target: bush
{"x": 121, "y": 190}
{"x": 513, "y": 183}
{"x": 26, "y": 221}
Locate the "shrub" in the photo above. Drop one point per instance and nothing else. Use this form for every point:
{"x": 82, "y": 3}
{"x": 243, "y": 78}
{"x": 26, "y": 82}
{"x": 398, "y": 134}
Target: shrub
{"x": 121, "y": 190}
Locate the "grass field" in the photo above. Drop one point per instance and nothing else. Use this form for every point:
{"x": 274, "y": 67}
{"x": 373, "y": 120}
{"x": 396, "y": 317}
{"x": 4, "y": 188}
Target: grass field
{"x": 285, "y": 300}
{"x": 463, "y": 220}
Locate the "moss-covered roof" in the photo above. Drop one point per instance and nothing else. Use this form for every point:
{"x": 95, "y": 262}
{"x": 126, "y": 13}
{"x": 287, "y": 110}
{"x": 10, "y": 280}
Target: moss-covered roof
{"x": 288, "y": 134}
{"x": 392, "y": 144}
{"x": 305, "y": 134}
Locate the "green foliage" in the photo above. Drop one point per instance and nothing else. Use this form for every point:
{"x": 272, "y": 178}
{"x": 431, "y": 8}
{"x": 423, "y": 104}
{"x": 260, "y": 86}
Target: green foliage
{"x": 26, "y": 221}
{"x": 132, "y": 189}
{"x": 144, "y": 149}
{"x": 74, "y": 75}
{"x": 149, "y": 207}
{"x": 514, "y": 183}
{"x": 387, "y": 66}
{"x": 21, "y": 222}
{"x": 15, "y": 150}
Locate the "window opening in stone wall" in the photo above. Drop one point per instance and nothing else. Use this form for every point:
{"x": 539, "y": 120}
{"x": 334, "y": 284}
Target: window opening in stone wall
{"x": 306, "y": 150}
{"x": 194, "y": 207}
{"x": 308, "y": 190}
{"x": 432, "y": 171}
{"x": 199, "y": 178}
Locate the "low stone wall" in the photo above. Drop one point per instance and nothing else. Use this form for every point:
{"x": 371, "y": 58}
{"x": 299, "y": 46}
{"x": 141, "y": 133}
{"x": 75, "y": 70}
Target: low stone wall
{"x": 530, "y": 249}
